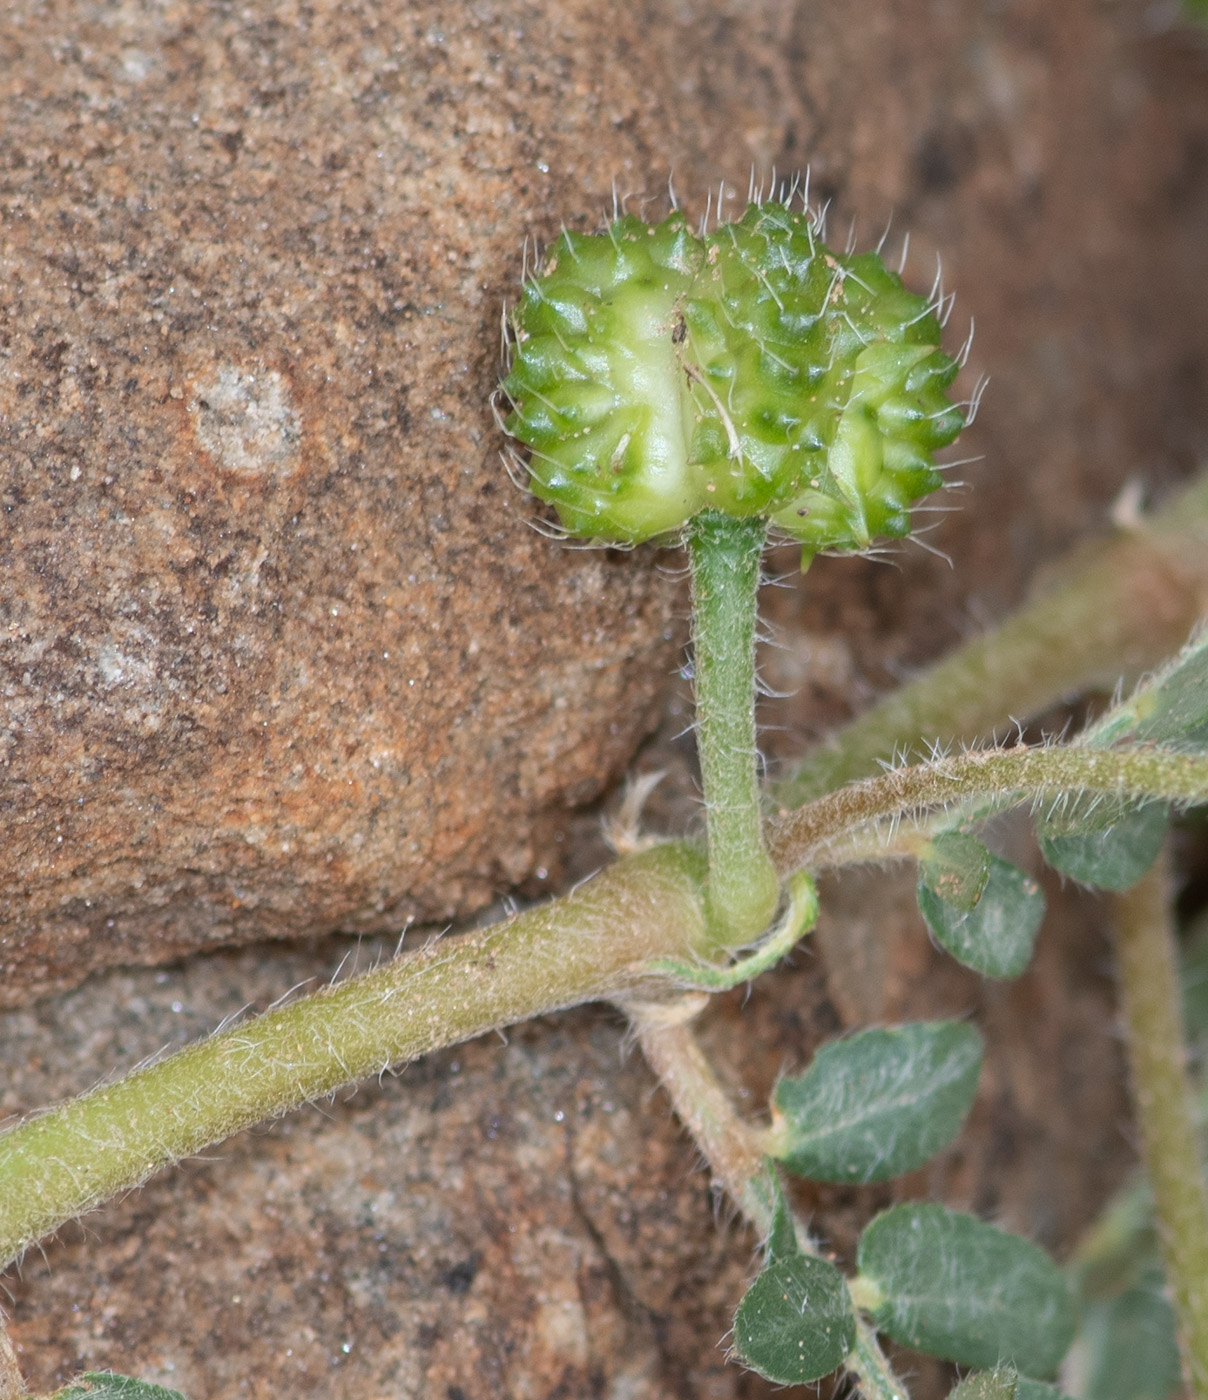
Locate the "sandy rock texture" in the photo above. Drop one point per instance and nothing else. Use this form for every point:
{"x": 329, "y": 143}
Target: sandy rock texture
{"x": 278, "y": 651}
{"x": 283, "y": 233}
{"x": 522, "y": 1219}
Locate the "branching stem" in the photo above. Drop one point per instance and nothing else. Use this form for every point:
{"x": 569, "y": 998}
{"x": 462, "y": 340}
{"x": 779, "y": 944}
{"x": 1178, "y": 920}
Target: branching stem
{"x": 594, "y": 944}
{"x": 734, "y": 1152}
{"x": 1119, "y": 607}
{"x": 12, "y": 1383}
{"x": 602, "y": 941}
{"x": 743, "y": 888}
{"x": 1149, "y": 995}
{"x": 871, "y": 1369}
{"x": 795, "y": 839}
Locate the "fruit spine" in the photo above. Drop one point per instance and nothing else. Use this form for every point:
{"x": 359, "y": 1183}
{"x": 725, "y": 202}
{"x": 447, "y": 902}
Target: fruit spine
{"x": 655, "y": 373}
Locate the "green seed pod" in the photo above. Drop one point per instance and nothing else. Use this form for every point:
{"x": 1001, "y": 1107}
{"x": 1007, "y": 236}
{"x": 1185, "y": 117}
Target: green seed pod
{"x": 655, "y": 373}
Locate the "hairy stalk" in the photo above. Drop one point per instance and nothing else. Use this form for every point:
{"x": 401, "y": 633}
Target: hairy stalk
{"x": 733, "y": 1150}
{"x": 743, "y": 889}
{"x": 593, "y": 944}
{"x": 1150, "y": 1000}
{"x": 12, "y": 1383}
{"x": 797, "y": 838}
{"x": 870, "y": 1366}
{"x": 894, "y": 838}
{"x": 1119, "y": 607}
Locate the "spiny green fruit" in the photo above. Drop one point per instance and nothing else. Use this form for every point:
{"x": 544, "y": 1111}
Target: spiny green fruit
{"x": 655, "y": 373}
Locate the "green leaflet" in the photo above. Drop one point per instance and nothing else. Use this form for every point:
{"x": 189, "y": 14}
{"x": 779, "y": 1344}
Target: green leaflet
{"x": 1109, "y": 845}
{"x": 1126, "y": 1346}
{"x": 105, "y": 1385}
{"x": 655, "y": 374}
{"x": 1112, "y": 844}
{"x": 795, "y": 1322}
{"x": 955, "y": 867}
{"x": 1028, "y": 1389}
{"x": 948, "y": 1284}
{"x": 1170, "y": 708}
{"x": 996, "y": 936}
{"x": 987, "y": 1385}
{"x": 878, "y": 1103}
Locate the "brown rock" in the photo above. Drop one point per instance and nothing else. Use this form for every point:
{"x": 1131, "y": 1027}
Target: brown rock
{"x": 278, "y": 651}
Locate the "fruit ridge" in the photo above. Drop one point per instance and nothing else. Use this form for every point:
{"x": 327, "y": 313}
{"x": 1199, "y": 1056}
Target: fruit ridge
{"x": 655, "y": 373}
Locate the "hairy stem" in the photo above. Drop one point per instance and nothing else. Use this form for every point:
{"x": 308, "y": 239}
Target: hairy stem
{"x": 743, "y": 889}
{"x": 1119, "y": 607}
{"x": 12, "y": 1383}
{"x": 734, "y": 1152}
{"x": 796, "y": 839}
{"x": 870, "y": 1366}
{"x": 1150, "y": 1000}
{"x": 590, "y": 945}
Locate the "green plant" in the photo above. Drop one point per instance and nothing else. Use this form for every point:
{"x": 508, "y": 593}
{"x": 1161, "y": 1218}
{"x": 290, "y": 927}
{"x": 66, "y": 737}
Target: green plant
{"x": 1126, "y": 1347}
{"x": 718, "y": 385}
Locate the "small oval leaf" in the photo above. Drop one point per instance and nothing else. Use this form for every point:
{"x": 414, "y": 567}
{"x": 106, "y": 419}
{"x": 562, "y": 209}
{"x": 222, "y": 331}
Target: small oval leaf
{"x": 795, "y": 1322}
{"x": 958, "y": 1288}
{"x": 879, "y": 1103}
{"x": 1110, "y": 847}
{"x": 1170, "y": 708}
{"x": 997, "y": 936}
{"x": 1179, "y": 713}
{"x": 955, "y": 867}
{"x": 1127, "y": 1348}
{"x": 1003, "y": 1384}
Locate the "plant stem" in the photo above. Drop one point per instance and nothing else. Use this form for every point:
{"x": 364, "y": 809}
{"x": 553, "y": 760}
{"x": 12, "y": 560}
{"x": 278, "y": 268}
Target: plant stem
{"x": 734, "y": 1152}
{"x": 732, "y": 1149}
{"x": 1121, "y": 606}
{"x": 1150, "y": 1000}
{"x": 12, "y": 1383}
{"x": 871, "y": 1368}
{"x": 743, "y": 889}
{"x": 797, "y": 839}
{"x": 593, "y": 944}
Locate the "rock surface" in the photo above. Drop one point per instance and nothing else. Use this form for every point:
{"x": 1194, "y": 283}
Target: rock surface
{"x": 521, "y": 1220}
{"x": 278, "y": 652}
{"x": 451, "y": 1230}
